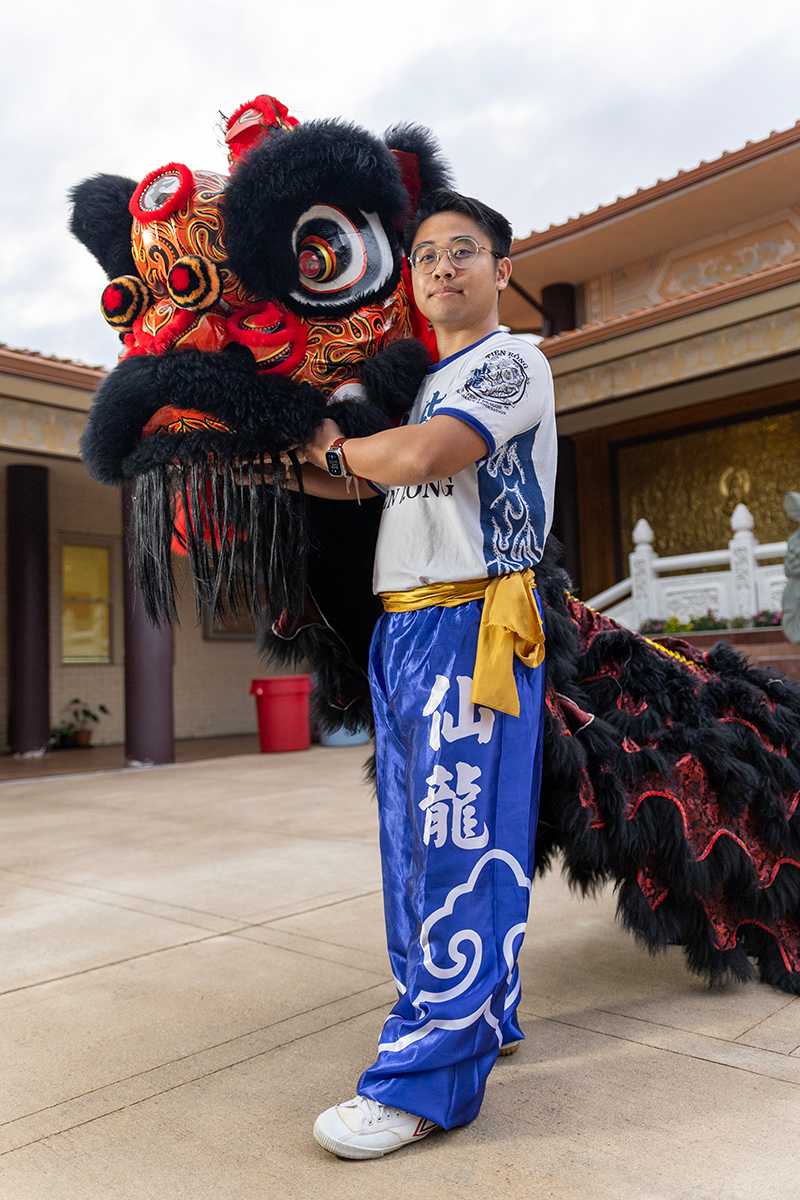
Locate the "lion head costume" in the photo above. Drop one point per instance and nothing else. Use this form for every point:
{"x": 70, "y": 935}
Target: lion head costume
{"x": 250, "y": 306}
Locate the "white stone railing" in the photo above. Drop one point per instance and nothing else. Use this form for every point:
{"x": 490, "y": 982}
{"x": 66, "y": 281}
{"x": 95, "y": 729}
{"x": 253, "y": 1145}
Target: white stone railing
{"x": 738, "y": 581}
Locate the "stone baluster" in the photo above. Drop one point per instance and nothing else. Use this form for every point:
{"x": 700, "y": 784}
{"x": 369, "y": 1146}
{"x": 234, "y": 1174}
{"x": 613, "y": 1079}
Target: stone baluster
{"x": 744, "y": 593}
{"x": 791, "y": 566}
{"x": 643, "y": 576}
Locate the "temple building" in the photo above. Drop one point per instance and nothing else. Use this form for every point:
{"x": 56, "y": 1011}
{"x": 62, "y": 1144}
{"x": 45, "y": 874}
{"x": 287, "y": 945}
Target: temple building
{"x": 671, "y": 320}
{"x": 66, "y": 607}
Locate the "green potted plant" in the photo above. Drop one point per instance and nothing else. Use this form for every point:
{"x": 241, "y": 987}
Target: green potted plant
{"x": 75, "y": 726}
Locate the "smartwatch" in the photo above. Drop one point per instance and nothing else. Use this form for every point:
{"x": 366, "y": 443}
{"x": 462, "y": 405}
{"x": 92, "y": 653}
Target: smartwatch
{"x": 334, "y": 459}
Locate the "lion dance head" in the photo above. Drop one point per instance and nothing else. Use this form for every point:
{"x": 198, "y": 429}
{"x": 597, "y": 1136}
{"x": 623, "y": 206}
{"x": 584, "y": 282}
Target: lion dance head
{"x": 250, "y": 305}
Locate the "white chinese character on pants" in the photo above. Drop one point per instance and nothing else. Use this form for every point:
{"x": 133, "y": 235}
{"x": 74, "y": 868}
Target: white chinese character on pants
{"x": 468, "y": 724}
{"x": 463, "y": 820}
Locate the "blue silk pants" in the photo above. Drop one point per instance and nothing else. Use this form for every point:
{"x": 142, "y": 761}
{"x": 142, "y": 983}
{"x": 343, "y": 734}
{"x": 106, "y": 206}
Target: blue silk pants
{"x": 458, "y": 796}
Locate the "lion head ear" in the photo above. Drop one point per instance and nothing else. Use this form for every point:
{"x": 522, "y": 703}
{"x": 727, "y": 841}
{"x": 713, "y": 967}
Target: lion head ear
{"x": 422, "y": 167}
{"x": 100, "y": 219}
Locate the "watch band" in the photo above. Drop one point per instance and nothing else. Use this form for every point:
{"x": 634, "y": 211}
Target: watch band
{"x": 335, "y": 460}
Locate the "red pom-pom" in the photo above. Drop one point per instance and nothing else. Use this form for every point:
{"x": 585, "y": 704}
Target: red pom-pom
{"x": 180, "y": 278}
{"x": 112, "y": 298}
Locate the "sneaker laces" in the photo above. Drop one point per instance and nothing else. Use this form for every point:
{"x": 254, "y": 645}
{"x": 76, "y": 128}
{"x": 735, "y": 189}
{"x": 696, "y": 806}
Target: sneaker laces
{"x": 372, "y": 1111}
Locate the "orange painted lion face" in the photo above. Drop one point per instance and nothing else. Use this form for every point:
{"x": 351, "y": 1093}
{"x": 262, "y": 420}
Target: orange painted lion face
{"x": 185, "y": 294}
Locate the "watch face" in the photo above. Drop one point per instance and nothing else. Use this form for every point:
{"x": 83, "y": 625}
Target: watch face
{"x": 334, "y": 463}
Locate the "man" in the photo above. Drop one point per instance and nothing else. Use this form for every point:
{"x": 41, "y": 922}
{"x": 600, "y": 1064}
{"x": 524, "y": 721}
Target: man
{"x": 457, "y": 681}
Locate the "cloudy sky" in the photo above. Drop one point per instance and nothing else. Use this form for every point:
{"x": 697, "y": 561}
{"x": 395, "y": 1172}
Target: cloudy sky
{"x": 544, "y": 110}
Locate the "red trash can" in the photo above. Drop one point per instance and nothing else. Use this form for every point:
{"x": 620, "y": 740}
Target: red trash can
{"x": 282, "y": 705}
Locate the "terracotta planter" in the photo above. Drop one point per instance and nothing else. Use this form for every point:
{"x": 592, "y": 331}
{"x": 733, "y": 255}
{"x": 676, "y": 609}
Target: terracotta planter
{"x": 83, "y": 737}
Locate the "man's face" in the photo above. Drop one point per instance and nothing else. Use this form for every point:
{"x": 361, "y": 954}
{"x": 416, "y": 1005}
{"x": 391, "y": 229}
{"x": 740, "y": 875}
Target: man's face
{"x": 451, "y": 297}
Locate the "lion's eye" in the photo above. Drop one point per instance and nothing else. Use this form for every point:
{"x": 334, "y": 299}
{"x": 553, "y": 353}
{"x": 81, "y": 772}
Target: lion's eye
{"x": 340, "y": 256}
{"x": 322, "y": 259}
{"x": 161, "y": 193}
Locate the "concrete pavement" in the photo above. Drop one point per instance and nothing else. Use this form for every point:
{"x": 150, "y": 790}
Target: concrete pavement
{"x": 192, "y": 965}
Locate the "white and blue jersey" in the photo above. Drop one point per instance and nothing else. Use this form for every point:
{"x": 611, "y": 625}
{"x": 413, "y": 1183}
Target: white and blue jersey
{"x": 493, "y": 517}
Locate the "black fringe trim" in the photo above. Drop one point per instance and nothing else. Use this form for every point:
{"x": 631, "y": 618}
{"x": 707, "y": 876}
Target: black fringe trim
{"x": 256, "y": 561}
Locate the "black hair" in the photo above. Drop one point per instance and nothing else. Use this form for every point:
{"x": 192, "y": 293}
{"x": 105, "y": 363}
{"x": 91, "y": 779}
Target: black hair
{"x": 496, "y": 227}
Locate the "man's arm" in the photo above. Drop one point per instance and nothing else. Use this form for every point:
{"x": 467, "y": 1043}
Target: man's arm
{"x": 410, "y": 454}
{"x": 514, "y": 397}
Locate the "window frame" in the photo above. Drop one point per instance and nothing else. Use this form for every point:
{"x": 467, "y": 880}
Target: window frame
{"x": 93, "y": 540}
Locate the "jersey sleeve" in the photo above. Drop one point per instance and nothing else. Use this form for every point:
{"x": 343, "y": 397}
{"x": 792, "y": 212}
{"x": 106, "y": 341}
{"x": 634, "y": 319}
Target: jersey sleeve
{"x": 505, "y": 393}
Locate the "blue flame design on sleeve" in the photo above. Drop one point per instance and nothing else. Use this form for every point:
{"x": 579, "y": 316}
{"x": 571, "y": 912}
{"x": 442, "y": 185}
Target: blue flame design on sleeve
{"x": 512, "y": 507}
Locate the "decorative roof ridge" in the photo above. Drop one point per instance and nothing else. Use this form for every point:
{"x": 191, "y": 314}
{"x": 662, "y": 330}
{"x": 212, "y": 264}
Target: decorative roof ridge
{"x": 684, "y": 178}
{"x": 41, "y": 356}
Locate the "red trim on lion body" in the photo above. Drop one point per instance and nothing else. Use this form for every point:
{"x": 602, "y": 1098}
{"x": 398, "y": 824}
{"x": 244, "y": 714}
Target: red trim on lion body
{"x": 276, "y": 329}
{"x": 172, "y": 204}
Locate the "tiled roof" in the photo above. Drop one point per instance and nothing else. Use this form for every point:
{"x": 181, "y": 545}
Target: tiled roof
{"x": 54, "y": 358}
{"x": 776, "y": 140}
{"x": 670, "y": 310}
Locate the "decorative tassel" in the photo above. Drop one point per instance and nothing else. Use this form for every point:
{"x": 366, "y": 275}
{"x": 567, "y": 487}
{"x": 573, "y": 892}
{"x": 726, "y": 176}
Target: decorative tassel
{"x": 245, "y": 536}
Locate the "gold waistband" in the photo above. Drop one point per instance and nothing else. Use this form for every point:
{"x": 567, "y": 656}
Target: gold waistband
{"x": 510, "y": 626}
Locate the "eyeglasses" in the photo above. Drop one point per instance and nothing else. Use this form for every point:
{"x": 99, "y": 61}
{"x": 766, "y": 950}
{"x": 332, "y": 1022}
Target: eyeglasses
{"x": 462, "y": 254}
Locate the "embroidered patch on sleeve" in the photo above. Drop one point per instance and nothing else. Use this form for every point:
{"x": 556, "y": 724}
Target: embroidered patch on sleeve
{"x": 499, "y": 382}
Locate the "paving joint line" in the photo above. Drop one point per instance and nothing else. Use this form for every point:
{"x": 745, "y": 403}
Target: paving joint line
{"x": 317, "y": 908}
{"x": 181, "y": 907}
{"x": 669, "y": 1049}
{"x": 171, "y": 1062}
{"x": 112, "y": 892}
{"x": 195, "y": 1078}
{"x": 54, "y": 891}
{"x": 254, "y": 941}
{"x": 767, "y": 1018}
{"x": 117, "y": 962}
{"x": 715, "y": 1037}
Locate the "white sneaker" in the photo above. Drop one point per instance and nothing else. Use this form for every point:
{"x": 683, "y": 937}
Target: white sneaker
{"x": 364, "y": 1128}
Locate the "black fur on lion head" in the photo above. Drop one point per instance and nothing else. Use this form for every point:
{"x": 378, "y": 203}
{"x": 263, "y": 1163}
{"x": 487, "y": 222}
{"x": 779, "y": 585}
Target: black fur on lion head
{"x": 327, "y": 183}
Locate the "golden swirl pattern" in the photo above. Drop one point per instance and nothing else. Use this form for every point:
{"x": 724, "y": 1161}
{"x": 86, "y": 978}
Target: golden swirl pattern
{"x": 195, "y": 229}
{"x": 335, "y": 348}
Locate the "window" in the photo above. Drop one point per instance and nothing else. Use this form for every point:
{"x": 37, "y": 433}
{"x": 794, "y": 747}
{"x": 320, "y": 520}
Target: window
{"x": 86, "y": 604}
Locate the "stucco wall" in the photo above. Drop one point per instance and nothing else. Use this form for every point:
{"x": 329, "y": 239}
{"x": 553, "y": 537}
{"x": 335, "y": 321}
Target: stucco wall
{"x": 211, "y": 678}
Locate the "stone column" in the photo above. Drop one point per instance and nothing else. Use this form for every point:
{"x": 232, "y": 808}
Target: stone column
{"x": 149, "y": 712}
{"x": 744, "y": 598}
{"x": 28, "y": 541}
{"x": 791, "y": 567}
{"x": 643, "y": 576}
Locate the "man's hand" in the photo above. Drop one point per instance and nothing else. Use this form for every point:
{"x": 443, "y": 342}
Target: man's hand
{"x": 314, "y": 450}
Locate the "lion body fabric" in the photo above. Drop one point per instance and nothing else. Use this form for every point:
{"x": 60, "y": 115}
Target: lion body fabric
{"x": 249, "y": 307}
{"x": 676, "y": 774}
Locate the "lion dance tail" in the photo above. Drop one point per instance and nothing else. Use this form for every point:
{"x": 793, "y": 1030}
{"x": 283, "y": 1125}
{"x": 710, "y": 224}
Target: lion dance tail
{"x": 675, "y": 773}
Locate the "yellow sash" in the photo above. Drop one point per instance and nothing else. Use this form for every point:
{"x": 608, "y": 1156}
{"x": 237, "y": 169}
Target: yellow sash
{"x": 510, "y": 625}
